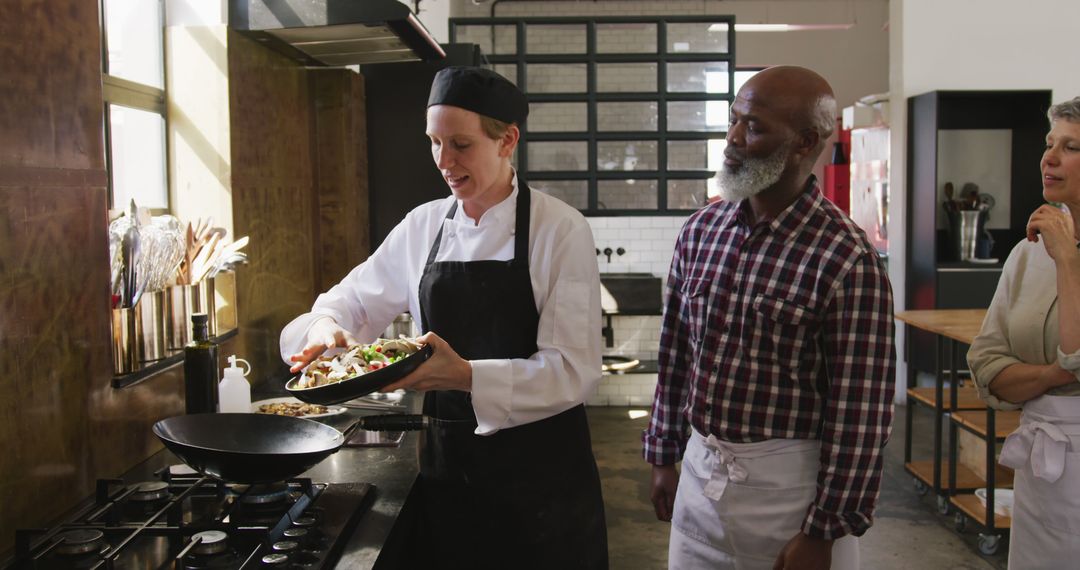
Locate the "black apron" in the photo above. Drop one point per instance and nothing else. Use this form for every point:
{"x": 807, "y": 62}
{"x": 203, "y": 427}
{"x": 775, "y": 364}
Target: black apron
{"x": 524, "y": 497}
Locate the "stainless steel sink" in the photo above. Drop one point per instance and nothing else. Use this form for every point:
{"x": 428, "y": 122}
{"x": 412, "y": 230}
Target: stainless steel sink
{"x": 630, "y": 294}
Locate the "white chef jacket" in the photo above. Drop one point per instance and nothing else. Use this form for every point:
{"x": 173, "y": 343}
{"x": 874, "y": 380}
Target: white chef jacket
{"x": 1021, "y": 325}
{"x": 566, "y": 288}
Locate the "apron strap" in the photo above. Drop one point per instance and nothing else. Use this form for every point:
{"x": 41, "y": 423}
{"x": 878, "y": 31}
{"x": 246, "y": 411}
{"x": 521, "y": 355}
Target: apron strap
{"x": 521, "y": 225}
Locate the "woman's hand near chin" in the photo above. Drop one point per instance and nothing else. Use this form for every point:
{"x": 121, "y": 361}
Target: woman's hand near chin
{"x": 1056, "y": 227}
{"x": 324, "y": 334}
{"x": 445, "y": 370}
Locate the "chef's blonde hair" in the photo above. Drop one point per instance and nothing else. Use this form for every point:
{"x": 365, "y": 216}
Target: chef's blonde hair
{"x": 493, "y": 128}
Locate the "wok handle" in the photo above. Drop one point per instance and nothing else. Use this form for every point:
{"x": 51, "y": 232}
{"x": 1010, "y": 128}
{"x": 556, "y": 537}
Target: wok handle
{"x": 394, "y": 422}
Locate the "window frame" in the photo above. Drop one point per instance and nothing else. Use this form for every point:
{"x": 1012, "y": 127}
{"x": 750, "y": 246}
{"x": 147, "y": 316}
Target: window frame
{"x": 591, "y": 135}
{"x": 134, "y": 95}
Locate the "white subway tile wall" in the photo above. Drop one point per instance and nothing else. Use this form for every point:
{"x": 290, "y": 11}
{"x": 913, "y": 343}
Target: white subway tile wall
{"x": 648, "y": 241}
{"x": 624, "y": 390}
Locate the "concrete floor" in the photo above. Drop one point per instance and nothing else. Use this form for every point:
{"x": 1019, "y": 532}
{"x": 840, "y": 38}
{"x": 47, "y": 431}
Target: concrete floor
{"x": 907, "y": 533}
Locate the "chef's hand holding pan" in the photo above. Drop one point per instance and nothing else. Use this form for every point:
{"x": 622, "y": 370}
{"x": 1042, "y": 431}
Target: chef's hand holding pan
{"x": 665, "y": 481}
{"x": 324, "y": 334}
{"x": 805, "y": 553}
{"x": 445, "y": 370}
{"x": 1055, "y": 225}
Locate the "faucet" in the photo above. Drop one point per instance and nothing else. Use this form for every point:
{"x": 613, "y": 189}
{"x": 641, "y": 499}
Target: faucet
{"x": 609, "y": 333}
{"x": 608, "y": 251}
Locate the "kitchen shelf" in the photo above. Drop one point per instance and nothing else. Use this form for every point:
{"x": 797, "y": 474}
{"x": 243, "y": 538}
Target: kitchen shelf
{"x": 971, "y": 506}
{"x": 966, "y": 479}
{"x": 966, "y": 399}
{"x": 152, "y": 368}
{"x": 975, "y": 422}
{"x": 936, "y": 278}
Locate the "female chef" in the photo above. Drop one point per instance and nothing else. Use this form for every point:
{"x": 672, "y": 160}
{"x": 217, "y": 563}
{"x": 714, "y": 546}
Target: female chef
{"x": 1028, "y": 355}
{"x": 505, "y": 281}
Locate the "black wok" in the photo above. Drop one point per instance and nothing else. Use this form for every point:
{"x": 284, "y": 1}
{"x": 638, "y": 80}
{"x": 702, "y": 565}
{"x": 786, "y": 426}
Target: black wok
{"x": 249, "y": 448}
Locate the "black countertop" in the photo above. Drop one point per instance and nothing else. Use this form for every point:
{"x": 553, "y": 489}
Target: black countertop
{"x": 391, "y": 470}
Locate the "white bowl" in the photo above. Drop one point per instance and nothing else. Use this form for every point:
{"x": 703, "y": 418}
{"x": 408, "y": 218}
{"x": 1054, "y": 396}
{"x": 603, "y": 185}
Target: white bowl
{"x": 1003, "y": 500}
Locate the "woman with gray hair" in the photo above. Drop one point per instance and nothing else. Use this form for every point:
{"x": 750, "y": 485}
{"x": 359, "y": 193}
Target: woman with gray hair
{"x": 1028, "y": 356}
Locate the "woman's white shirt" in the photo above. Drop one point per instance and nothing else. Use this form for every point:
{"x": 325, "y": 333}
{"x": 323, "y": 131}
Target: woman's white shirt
{"x": 566, "y": 289}
{"x": 1021, "y": 325}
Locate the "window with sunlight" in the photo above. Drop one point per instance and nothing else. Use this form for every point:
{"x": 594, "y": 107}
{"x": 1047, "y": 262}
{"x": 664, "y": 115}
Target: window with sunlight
{"x": 134, "y": 90}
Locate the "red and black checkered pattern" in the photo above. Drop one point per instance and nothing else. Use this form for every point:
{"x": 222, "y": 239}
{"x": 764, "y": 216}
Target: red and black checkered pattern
{"x": 781, "y": 329}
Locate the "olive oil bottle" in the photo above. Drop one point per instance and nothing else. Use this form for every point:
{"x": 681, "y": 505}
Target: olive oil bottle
{"x": 200, "y": 368}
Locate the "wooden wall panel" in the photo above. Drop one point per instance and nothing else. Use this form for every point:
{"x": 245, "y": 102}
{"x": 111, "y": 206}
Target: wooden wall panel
{"x": 50, "y": 106}
{"x": 273, "y": 184}
{"x": 61, "y": 424}
{"x": 340, "y": 114}
{"x": 299, "y": 181}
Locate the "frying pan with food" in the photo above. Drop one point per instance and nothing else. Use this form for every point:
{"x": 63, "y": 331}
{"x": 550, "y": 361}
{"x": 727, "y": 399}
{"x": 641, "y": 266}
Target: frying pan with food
{"x": 249, "y": 448}
{"x": 357, "y": 386}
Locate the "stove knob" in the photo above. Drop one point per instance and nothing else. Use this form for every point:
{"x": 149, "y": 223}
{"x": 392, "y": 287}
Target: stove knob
{"x": 299, "y": 534}
{"x": 275, "y": 560}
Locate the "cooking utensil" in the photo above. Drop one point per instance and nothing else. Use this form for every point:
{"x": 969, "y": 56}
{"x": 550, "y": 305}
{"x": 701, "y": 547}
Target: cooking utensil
{"x": 249, "y": 448}
{"x": 129, "y": 245}
{"x": 351, "y": 388}
{"x": 969, "y": 196}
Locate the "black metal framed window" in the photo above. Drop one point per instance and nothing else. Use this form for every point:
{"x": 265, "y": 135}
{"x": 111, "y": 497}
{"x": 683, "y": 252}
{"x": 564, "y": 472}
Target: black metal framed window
{"x": 627, "y": 114}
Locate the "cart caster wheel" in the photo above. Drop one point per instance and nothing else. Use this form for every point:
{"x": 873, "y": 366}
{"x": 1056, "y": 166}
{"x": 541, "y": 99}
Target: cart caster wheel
{"x": 989, "y": 543}
{"x": 943, "y": 506}
{"x": 960, "y": 522}
{"x": 920, "y": 487}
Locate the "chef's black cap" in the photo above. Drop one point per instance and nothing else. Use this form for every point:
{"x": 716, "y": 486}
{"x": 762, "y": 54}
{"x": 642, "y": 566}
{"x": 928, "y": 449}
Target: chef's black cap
{"x": 481, "y": 91}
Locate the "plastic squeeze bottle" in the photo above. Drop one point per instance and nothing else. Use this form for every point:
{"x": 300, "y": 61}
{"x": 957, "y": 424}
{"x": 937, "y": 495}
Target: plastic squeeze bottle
{"x": 234, "y": 392}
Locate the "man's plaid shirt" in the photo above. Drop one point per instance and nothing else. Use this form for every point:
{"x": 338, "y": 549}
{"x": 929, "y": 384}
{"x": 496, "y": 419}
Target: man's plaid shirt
{"x": 783, "y": 329}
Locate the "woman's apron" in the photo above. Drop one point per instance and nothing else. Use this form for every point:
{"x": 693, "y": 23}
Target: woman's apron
{"x": 738, "y": 504}
{"x": 523, "y": 497}
{"x": 1045, "y": 452}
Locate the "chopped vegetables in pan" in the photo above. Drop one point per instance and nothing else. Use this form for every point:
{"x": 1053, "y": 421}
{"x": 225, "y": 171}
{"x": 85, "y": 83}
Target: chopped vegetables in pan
{"x": 357, "y": 360}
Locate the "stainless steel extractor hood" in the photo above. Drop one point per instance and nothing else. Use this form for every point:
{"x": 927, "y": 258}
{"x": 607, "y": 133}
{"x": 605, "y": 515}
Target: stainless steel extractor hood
{"x": 336, "y": 32}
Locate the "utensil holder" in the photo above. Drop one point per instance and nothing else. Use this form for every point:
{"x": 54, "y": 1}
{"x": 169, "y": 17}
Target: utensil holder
{"x": 225, "y": 301}
{"x": 151, "y": 315}
{"x": 179, "y": 310}
{"x": 964, "y": 229}
{"x": 126, "y": 348}
{"x": 203, "y": 300}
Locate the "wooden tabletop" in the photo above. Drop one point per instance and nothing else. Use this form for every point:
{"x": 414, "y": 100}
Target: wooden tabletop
{"x": 957, "y": 324}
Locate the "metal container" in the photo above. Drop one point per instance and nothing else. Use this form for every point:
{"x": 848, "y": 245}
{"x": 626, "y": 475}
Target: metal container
{"x": 125, "y": 345}
{"x": 151, "y": 315}
{"x": 968, "y": 234}
{"x": 402, "y": 325}
{"x": 203, "y": 300}
{"x": 178, "y": 311}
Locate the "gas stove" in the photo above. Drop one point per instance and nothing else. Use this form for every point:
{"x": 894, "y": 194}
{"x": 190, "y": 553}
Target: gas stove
{"x": 185, "y": 521}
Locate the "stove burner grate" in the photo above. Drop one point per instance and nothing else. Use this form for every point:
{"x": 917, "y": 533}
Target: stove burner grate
{"x": 80, "y": 541}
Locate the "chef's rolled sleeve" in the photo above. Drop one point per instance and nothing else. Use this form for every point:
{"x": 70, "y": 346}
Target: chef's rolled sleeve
{"x": 1069, "y": 362}
{"x": 990, "y": 351}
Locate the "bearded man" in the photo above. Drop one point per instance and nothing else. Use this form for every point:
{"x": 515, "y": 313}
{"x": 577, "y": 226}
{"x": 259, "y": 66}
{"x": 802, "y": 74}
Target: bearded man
{"x": 776, "y": 358}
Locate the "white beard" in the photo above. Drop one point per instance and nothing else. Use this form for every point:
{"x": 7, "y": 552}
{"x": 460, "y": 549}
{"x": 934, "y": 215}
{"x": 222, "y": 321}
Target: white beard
{"x": 755, "y": 175}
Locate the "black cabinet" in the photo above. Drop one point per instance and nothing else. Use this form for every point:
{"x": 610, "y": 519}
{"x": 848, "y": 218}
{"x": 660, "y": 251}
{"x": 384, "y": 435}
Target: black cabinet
{"x": 936, "y": 279}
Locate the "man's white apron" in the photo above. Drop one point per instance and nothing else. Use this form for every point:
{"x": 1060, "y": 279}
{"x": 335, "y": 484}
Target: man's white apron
{"x": 738, "y": 504}
{"x": 1045, "y": 452}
